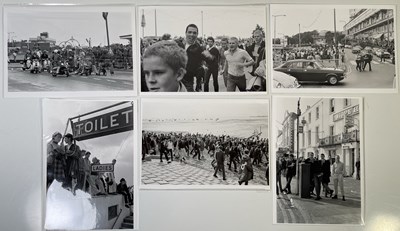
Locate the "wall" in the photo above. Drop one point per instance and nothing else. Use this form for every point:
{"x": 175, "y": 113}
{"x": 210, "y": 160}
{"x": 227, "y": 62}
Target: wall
{"x": 198, "y": 210}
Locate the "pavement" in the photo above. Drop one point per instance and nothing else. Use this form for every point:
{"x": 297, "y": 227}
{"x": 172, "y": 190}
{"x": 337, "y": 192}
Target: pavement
{"x": 19, "y": 80}
{"x": 193, "y": 172}
{"x": 293, "y": 209}
{"x": 381, "y": 76}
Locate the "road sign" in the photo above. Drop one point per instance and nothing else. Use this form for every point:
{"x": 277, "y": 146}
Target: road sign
{"x": 102, "y": 168}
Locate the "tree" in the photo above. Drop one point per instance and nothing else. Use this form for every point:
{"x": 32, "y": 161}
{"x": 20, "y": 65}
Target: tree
{"x": 258, "y": 27}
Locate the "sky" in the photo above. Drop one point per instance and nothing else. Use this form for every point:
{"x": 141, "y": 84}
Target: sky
{"x": 235, "y": 117}
{"x": 118, "y": 146}
{"x": 27, "y": 23}
{"x": 309, "y": 17}
{"x": 283, "y": 104}
{"x": 228, "y": 21}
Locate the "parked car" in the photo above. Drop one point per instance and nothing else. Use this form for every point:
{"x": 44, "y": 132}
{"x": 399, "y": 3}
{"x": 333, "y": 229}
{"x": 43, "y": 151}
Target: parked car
{"x": 311, "y": 71}
{"x": 368, "y": 49}
{"x": 356, "y": 50}
{"x": 283, "y": 80}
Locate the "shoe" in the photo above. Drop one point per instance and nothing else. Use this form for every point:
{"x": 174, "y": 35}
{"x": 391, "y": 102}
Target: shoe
{"x": 331, "y": 192}
{"x": 225, "y": 179}
{"x": 318, "y": 198}
{"x": 334, "y": 197}
{"x": 343, "y": 199}
{"x": 215, "y": 176}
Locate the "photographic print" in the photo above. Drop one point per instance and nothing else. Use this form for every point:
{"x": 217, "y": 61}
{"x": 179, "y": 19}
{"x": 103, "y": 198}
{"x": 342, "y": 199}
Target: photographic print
{"x": 197, "y": 49}
{"x": 334, "y": 47}
{"x": 59, "y": 50}
{"x": 196, "y": 143}
{"x": 89, "y": 178}
{"x": 319, "y": 160}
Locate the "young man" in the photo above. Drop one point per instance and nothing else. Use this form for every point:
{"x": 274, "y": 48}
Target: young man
{"x": 236, "y": 60}
{"x": 337, "y": 176}
{"x": 212, "y": 59}
{"x": 257, "y": 49}
{"x": 122, "y": 188}
{"x": 224, "y": 47}
{"x": 164, "y": 66}
{"x": 220, "y": 158}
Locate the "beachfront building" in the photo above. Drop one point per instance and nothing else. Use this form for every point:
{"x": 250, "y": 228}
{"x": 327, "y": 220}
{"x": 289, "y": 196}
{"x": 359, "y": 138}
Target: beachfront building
{"x": 375, "y": 26}
{"x": 43, "y": 41}
{"x": 286, "y": 136}
{"x": 332, "y": 126}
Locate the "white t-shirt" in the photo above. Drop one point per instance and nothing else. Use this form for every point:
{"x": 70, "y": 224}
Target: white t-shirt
{"x": 233, "y": 59}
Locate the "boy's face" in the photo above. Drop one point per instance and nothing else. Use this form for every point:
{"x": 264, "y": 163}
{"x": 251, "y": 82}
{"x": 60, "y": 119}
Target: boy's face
{"x": 191, "y": 34}
{"x": 159, "y": 76}
{"x": 210, "y": 43}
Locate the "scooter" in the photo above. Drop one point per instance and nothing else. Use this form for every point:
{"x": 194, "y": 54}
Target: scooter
{"x": 62, "y": 70}
{"x": 87, "y": 69}
{"x": 35, "y": 67}
{"x": 46, "y": 65}
{"x": 27, "y": 65}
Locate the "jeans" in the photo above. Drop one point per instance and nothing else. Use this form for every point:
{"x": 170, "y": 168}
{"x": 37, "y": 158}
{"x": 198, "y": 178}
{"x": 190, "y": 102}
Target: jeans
{"x": 338, "y": 179}
{"x": 214, "y": 73}
{"x": 236, "y": 81}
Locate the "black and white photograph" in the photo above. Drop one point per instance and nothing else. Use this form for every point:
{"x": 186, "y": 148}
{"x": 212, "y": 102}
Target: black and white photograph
{"x": 333, "y": 47}
{"x": 319, "y": 159}
{"x": 202, "y": 49}
{"x": 210, "y": 143}
{"x": 89, "y": 174}
{"x": 68, "y": 50}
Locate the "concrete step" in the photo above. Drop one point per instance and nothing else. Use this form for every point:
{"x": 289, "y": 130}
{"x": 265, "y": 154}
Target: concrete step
{"x": 126, "y": 226}
{"x": 128, "y": 219}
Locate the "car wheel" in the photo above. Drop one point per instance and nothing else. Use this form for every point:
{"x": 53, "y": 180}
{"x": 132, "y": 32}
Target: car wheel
{"x": 332, "y": 80}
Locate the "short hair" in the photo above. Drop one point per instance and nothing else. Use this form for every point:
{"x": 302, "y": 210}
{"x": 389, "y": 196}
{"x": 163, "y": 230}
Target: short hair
{"x": 225, "y": 39}
{"x": 259, "y": 31}
{"x": 192, "y": 25}
{"x": 234, "y": 38}
{"x": 55, "y": 134}
{"x": 172, "y": 54}
{"x": 69, "y": 136}
{"x": 211, "y": 38}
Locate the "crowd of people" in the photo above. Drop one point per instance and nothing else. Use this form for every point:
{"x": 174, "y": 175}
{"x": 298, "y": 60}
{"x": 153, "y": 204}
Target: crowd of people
{"x": 68, "y": 164}
{"x": 319, "y": 53}
{"x": 98, "y": 59}
{"x": 188, "y": 63}
{"x": 322, "y": 171}
{"x": 239, "y": 154}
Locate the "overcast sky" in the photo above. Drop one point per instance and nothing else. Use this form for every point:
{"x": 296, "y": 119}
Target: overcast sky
{"x": 309, "y": 17}
{"x": 237, "y": 21}
{"x": 61, "y": 25}
{"x": 119, "y": 146}
{"x": 283, "y": 104}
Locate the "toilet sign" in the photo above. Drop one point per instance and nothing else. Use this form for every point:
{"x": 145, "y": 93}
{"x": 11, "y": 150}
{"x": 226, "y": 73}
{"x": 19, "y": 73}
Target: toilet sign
{"x": 102, "y": 168}
{"x": 110, "y": 123}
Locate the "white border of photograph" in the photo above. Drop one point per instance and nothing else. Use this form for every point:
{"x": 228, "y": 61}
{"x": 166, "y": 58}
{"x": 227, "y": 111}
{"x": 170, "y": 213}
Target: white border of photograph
{"x": 203, "y": 187}
{"x": 362, "y": 160}
{"x": 135, "y": 172}
{"x": 128, "y": 8}
{"x": 139, "y": 7}
{"x": 301, "y": 90}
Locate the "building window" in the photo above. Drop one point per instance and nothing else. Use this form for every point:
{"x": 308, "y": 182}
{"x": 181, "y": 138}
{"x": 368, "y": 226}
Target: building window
{"x": 317, "y": 134}
{"x": 331, "y": 130}
{"x": 303, "y": 140}
{"x": 317, "y": 113}
{"x": 332, "y": 105}
{"x": 309, "y": 117}
{"x": 309, "y": 137}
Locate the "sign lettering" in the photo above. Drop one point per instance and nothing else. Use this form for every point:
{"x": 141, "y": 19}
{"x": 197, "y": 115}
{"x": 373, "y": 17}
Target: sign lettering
{"x": 348, "y": 112}
{"x": 110, "y": 123}
{"x": 102, "y": 168}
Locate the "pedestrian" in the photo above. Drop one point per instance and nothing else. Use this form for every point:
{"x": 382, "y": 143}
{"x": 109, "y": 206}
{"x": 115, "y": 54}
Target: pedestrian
{"x": 257, "y": 49}
{"x": 316, "y": 169}
{"x": 72, "y": 153}
{"x": 279, "y": 169}
{"x": 163, "y": 150}
{"x": 358, "y": 169}
{"x": 220, "y": 158}
{"x": 236, "y": 60}
{"x": 212, "y": 59}
{"x": 337, "y": 176}
{"x": 290, "y": 173}
{"x": 55, "y": 160}
{"x": 195, "y": 58}
{"x": 224, "y": 47}
{"x": 367, "y": 60}
{"x": 326, "y": 174}
{"x": 246, "y": 171}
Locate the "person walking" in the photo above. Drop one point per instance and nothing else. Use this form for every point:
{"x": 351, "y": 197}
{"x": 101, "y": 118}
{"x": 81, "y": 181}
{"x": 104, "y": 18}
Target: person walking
{"x": 326, "y": 174}
{"x": 337, "y": 176}
{"x": 220, "y": 158}
{"x": 290, "y": 173}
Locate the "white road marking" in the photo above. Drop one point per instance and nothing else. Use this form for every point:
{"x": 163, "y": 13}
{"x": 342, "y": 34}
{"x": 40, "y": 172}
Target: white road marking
{"x": 113, "y": 81}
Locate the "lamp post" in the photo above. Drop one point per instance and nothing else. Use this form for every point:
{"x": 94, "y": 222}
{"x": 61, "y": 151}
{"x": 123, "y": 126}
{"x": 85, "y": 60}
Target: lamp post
{"x": 278, "y": 15}
{"x": 297, "y": 145}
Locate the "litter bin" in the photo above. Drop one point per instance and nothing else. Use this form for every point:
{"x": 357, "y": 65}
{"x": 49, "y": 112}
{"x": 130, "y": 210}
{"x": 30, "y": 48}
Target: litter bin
{"x": 305, "y": 171}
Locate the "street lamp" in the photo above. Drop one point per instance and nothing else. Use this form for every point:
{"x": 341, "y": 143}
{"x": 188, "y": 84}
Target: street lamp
{"x": 278, "y": 15}
{"x": 297, "y": 144}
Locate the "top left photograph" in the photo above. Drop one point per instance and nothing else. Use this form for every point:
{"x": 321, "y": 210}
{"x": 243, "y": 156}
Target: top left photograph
{"x": 73, "y": 51}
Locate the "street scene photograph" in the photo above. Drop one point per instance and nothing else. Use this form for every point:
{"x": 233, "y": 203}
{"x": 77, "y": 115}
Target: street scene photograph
{"x": 196, "y": 49}
{"x": 218, "y": 142}
{"x": 333, "y": 47}
{"x": 318, "y": 153}
{"x": 89, "y": 178}
{"x": 54, "y": 49}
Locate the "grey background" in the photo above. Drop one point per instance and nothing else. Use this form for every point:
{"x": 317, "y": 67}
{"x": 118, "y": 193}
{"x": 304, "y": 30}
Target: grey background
{"x": 21, "y": 168}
